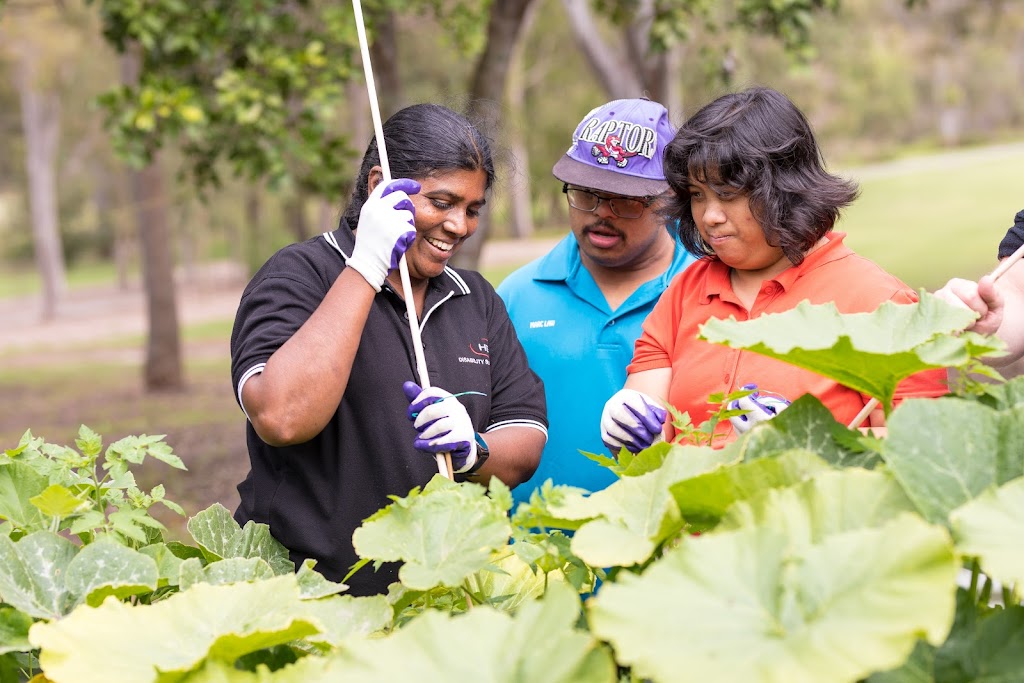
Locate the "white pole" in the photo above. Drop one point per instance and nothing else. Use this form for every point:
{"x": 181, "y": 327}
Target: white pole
{"x": 443, "y": 459}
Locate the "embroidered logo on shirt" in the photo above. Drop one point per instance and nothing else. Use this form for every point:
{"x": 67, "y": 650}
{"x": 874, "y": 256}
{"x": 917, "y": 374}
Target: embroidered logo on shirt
{"x": 479, "y": 349}
{"x": 534, "y": 324}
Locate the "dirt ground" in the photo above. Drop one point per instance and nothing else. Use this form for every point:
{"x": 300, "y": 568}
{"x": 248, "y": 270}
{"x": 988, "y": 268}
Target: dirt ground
{"x": 84, "y": 367}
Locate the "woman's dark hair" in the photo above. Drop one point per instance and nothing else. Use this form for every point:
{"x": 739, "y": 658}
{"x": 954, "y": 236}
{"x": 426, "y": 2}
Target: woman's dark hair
{"x": 757, "y": 142}
{"x": 424, "y": 140}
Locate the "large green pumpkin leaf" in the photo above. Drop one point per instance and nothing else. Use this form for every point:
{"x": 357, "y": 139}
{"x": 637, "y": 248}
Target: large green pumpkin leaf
{"x": 18, "y": 484}
{"x": 443, "y": 534}
{"x": 704, "y": 499}
{"x": 539, "y": 644}
{"x": 32, "y": 574}
{"x": 341, "y": 617}
{"x": 806, "y": 425}
{"x": 991, "y": 527}
{"x": 867, "y": 352}
{"x": 120, "y": 643}
{"x": 946, "y": 451}
{"x": 785, "y": 599}
{"x": 832, "y": 502}
{"x": 109, "y": 568}
{"x": 313, "y": 585}
{"x": 219, "y": 536}
{"x": 635, "y": 514}
{"x": 223, "y": 572}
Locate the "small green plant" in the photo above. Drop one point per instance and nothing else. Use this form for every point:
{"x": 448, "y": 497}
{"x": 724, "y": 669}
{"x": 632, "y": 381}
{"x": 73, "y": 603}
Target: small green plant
{"x": 88, "y": 492}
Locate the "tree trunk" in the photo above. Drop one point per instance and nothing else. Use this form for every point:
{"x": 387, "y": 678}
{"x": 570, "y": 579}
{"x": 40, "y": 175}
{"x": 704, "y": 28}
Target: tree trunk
{"x": 40, "y": 120}
{"x": 617, "y": 75}
{"x": 295, "y": 216}
{"x": 504, "y": 31}
{"x": 384, "y": 58}
{"x": 252, "y": 236}
{"x": 163, "y": 369}
{"x": 520, "y": 204}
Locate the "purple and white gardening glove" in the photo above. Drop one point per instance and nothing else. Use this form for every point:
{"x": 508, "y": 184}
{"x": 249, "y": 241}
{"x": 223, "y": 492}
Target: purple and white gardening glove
{"x": 633, "y": 420}
{"x": 760, "y": 407}
{"x": 443, "y": 424}
{"x": 387, "y": 226}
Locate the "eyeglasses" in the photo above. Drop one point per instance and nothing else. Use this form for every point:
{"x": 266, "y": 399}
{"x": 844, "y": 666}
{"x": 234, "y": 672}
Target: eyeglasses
{"x": 623, "y": 207}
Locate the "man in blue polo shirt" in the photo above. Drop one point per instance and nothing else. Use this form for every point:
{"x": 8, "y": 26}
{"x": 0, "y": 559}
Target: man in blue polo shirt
{"x": 579, "y": 309}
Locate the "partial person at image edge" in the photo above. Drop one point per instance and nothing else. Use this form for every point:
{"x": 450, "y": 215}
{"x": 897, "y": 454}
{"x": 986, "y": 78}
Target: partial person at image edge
{"x": 324, "y": 367}
{"x": 999, "y": 304}
{"x": 578, "y": 310}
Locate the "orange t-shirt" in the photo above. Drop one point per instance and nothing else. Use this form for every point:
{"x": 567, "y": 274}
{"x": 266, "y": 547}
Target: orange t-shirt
{"x": 831, "y": 273}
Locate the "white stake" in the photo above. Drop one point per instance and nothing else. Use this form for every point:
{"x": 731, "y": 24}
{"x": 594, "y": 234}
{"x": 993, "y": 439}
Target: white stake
{"x": 1007, "y": 263}
{"x": 444, "y": 463}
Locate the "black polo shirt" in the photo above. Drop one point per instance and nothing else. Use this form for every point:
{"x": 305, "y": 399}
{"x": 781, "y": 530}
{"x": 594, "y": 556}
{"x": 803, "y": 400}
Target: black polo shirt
{"x": 314, "y": 495}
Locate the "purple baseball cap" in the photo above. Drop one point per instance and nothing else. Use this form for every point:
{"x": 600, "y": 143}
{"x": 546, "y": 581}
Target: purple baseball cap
{"x": 617, "y": 148}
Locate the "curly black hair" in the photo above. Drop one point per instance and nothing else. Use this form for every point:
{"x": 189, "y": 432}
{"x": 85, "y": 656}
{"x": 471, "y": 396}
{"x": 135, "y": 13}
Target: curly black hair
{"x": 758, "y": 143}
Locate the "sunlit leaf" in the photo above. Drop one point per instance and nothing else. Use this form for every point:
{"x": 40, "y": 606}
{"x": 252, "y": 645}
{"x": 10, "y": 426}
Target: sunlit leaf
{"x": 57, "y": 501}
{"x": 794, "y": 597}
{"x": 991, "y": 527}
{"x": 704, "y": 499}
{"x": 539, "y": 644}
{"x": 120, "y": 643}
{"x": 443, "y": 534}
{"x": 633, "y": 515}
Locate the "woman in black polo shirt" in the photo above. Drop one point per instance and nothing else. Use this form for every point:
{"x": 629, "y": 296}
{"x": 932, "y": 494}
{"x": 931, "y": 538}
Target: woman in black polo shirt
{"x": 323, "y": 361}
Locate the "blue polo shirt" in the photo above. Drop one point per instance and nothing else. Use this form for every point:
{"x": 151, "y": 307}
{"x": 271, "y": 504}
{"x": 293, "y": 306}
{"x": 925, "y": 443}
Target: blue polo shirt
{"x": 580, "y": 348}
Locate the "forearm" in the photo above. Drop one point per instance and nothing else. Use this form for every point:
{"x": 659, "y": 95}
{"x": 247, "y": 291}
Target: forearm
{"x": 514, "y": 455}
{"x": 300, "y": 388}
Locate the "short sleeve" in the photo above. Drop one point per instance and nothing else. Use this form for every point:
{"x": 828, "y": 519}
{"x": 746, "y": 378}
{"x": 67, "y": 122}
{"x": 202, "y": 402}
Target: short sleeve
{"x": 1014, "y": 236}
{"x": 655, "y": 346}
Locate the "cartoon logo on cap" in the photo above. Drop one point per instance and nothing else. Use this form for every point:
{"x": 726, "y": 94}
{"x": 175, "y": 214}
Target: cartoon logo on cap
{"x": 611, "y": 149}
{"x": 618, "y": 141}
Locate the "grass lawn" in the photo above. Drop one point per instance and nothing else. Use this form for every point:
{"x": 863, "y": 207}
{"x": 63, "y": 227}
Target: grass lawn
{"x": 928, "y": 219}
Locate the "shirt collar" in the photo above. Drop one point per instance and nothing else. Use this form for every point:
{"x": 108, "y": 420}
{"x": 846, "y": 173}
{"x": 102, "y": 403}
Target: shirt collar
{"x": 718, "y": 281}
{"x": 563, "y": 261}
{"x": 343, "y": 240}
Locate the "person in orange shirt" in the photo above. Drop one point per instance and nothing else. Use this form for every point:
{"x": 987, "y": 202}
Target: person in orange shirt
{"x": 753, "y": 198}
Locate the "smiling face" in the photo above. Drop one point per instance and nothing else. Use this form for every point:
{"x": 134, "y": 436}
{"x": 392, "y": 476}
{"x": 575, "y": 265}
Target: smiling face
{"x": 726, "y": 223}
{"x": 448, "y": 209}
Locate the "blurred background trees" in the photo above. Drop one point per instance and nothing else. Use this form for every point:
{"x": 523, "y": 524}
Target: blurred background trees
{"x": 154, "y": 136}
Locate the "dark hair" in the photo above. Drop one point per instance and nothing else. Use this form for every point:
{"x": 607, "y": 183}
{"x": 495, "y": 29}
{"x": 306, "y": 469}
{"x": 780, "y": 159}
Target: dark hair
{"x": 424, "y": 140}
{"x": 758, "y": 142}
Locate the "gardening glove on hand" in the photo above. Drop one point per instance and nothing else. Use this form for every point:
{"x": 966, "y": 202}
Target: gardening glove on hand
{"x": 443, "y": 425}
{"x": 760, "y": 407}
{"x": 387, "y": 226}
{"x": 633, "y": 420}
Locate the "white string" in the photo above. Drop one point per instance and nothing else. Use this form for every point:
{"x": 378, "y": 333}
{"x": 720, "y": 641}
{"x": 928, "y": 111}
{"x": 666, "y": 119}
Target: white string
{"x": 443, "y": 459}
